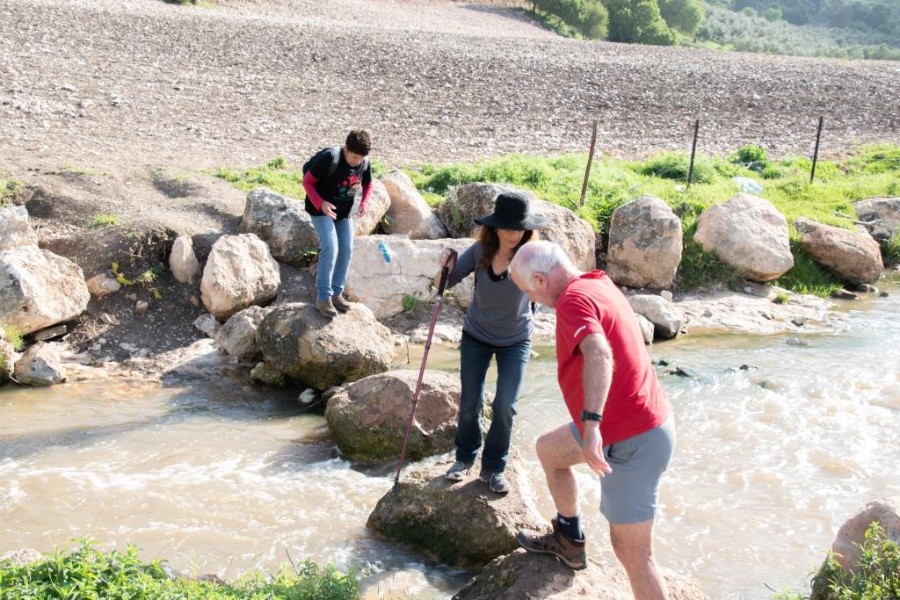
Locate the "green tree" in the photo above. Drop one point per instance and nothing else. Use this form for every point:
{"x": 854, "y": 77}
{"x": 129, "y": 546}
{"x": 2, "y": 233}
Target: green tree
{"x": 772, "y": 14}
{"x": 594, "y": 21}
{"x": 682, "y": 15}
{"x": 638, "y": 21}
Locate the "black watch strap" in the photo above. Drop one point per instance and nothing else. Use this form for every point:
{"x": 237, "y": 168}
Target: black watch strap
{"x": 590, "y": 416}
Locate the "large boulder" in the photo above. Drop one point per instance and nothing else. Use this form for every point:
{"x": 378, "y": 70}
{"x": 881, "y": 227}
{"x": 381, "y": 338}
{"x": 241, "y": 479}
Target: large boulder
{"x": 379, "y": 201}
{"x": 880, "y": 216}
{"x": 183, "y": 261}
{"x": 386, "y": 269}
{"x": 296, "y": 340}
{"x": 239, "y": 272}
{"x": 666, "y": 318}
{"x": 409, "y": 214}
{"x": 467, "y": 202}
{"x": 854, "y": 256}
{"x": 7, "y": 357}
{"x": 39, "y": 289}
{"x": 15, "y": 230}
{"x": 644, "y": 244}
{"x": 852, "y": 534}
{"x": 459, "y": 523}
{"x": 40, "y": 364}
{"x": 282, "y": 223}
{"x": 749, "y": 235}
{"x": 237, "y": 337}
{"x": 525, "y": 576}
{"x": 368, "y": 417}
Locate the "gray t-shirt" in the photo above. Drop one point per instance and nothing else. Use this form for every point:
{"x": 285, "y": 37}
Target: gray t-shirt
{"x": 500, "y": 313}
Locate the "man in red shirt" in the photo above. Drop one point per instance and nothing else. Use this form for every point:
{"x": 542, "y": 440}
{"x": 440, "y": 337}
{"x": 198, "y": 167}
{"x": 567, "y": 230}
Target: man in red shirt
{"x": 621, "y": 419}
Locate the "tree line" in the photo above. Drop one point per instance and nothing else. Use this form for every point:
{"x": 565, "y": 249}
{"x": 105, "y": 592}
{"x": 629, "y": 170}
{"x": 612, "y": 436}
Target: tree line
{"x": 838, "y": 28}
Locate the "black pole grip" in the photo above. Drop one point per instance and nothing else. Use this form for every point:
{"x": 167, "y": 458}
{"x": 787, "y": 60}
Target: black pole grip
{"x": 445, "y": 271}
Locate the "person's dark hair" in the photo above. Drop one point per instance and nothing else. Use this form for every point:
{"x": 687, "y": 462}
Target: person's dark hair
{"x": 359, "y": 142}
{"x": 491, "y": 242}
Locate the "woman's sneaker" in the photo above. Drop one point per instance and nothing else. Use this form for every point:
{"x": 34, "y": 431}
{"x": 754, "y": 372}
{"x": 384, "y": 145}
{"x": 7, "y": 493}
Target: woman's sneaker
{"x": 326, "y": 308}
{"x": 496, "y": 481}
{"x": 570, "y": 552}
{"x": 340, "y": 303}
{"x": 458, "y": 470}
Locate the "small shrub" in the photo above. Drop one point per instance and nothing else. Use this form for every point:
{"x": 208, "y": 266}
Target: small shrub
{"x": 876, "y": 578}
{"x": 410, "y": 302}
{"x": 676, "y": 165}
{"x": 10, "y": 189}
{"x": 104, "y": 220}
{"x": 751, "y": 156}
{"x": 277, "y": 163}
{"x": 14, "y": 336}
{"x": 890, "y": 252}
{"x": 780, "y": 298}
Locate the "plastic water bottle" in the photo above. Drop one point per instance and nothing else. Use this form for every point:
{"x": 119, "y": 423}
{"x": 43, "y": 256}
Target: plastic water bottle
{"x": 384, "y": 252}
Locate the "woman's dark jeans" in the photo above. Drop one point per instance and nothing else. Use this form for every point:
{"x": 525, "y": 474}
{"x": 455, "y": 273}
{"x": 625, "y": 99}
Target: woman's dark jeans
{"x": 475, "y": 357}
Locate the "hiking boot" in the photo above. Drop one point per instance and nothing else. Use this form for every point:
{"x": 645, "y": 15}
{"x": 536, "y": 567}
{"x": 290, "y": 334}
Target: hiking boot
{"x": 458, "y": 470}
{"x": 496, "y": 481}
{"x": 340, "y": 303}
{"x": 326, "y": 308}
{"x": 570, "y": 552}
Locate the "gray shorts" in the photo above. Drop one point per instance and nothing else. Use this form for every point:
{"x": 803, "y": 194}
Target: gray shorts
{"x": 629, "y": 494}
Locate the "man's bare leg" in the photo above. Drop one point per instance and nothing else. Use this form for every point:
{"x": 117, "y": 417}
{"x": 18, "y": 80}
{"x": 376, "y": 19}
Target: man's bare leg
{"x": 558, "y": 452}
{"x": 633, "y": 545}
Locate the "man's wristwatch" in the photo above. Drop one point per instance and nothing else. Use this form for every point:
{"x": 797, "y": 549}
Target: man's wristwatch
{"x": 590, "y": 416}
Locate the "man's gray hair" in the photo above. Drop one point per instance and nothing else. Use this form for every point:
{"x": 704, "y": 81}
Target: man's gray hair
{"x": 539, "y": 256}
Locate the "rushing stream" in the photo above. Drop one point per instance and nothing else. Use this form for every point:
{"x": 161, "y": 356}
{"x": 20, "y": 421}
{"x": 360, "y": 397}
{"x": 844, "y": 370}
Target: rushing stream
{"x": 771, "y": 459}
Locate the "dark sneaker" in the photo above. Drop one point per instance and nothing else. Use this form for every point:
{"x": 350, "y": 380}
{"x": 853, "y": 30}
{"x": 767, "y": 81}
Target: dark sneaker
{"x": 496, "y": 481}
{"x": 340, "y": 303}
{"x": 570, "y": 552}
{"x": 326, "y": 309}
{"x": 458, "y": 470}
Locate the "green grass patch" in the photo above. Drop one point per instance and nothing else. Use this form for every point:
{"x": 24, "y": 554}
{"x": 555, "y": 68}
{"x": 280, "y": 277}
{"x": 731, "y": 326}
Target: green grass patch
{"x": 278, "y": 176}
{"x": 85, "y": 572}
{"x": 410, "y": 302}
{"x": 869, "y": 171}
{"x": 104, "y": 220}
{"x": 13, "y": 335}
{"x": 10, "y": 189}
{"x": 866, "y": 172}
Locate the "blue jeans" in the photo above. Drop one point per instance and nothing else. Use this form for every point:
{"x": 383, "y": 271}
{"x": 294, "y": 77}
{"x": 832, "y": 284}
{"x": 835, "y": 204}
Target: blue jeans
{"x": 335, "y": 252}
{"x": 475, "y": 357}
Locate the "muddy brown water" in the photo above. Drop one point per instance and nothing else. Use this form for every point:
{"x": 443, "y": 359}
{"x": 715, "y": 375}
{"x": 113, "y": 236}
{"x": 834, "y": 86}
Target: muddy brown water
{"x": 771, "y": 459}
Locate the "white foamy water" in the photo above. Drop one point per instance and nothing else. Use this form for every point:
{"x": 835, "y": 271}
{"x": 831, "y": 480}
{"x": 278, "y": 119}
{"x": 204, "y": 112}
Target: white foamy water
{"x": 771, "y": 459}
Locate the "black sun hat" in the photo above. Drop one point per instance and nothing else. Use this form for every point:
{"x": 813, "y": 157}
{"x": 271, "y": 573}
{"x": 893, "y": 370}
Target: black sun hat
{"x": 512, "y": 211}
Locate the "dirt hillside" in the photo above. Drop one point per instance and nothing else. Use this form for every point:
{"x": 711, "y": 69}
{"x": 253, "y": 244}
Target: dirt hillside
{"x": 143, "y": 82}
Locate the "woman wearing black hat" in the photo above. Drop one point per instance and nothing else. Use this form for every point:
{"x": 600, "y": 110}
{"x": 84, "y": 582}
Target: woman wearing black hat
{"x": 497, "y": 324}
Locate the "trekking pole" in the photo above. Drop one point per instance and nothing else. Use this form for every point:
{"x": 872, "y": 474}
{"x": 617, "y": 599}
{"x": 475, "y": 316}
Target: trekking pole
{"x": 445, "y": 274}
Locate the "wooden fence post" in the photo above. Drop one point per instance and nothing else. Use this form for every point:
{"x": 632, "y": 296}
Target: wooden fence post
{"x": 812, "y": 174}
{"x": 587, "y": 170}
{"x": 693, "y": 152}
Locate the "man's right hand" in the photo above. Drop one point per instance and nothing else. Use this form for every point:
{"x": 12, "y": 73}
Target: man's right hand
{"x": 328, "y": 209}
{"x": 592, "y": 450}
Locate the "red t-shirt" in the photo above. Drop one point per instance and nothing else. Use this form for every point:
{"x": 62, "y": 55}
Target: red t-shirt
{"x": 636, "y": 403}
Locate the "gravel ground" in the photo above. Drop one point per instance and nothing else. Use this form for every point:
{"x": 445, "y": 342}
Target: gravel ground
{"x": 133, "y": 83}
